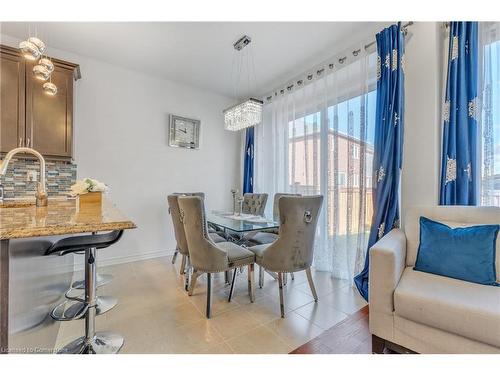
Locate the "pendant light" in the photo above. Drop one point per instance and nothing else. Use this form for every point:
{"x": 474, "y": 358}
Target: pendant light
{"x": 32, "y": 49}
{"x": 43, "y": 69}
{"x": 44, "y": 61}
{"x": 49, "y": 88}
{"x": 29, "y": 50}
{"x": 249, "y": 112}
{"x": 38, "y": 43}
{"x": 41, "y": 72}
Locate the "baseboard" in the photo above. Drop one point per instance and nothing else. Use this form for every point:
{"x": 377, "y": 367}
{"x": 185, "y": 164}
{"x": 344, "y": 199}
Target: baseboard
{"x": 128, "y": 258}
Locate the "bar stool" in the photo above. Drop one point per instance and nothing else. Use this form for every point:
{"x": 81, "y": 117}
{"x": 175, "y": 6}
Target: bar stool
{"x": 92, "y": 342}
{"x": 78, "y": 308}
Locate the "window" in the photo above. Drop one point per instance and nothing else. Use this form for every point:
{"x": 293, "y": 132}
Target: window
{"x": 490, "y": 114}
{"x": 314, "y": 139}
{"x": 355, "y": 151}
{"x": 355, "y": 180}
{"x": 342, "y": 179}
{"x": 368, "y": 182}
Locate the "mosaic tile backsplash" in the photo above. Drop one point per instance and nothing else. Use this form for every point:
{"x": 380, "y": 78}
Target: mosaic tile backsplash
{"x": 60, "y": 176}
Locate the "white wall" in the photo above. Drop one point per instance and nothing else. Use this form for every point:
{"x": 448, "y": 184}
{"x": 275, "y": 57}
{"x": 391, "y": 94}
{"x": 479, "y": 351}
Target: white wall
{"x": 423, "y": 85}
{"x": 121, "y": 138}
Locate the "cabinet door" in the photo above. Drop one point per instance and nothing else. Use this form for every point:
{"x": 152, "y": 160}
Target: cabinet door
{"x": 49, "y": 119}
{"x": 12, "y": 118}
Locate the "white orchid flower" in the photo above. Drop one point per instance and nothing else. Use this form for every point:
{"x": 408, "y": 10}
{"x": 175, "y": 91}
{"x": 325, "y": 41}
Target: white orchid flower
{"x": 87, "y": 185}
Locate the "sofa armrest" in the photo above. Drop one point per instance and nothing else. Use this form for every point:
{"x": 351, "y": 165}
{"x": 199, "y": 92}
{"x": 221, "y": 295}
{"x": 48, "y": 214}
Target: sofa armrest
{"x": 387, "y": 263}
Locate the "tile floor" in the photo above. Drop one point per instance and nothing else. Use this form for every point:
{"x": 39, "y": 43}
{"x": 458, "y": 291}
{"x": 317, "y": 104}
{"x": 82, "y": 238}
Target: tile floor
{"x": 155, "y": 315}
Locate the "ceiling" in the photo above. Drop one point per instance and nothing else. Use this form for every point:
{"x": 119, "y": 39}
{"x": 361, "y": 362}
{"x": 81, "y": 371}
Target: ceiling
{"x": 201, "y": 53}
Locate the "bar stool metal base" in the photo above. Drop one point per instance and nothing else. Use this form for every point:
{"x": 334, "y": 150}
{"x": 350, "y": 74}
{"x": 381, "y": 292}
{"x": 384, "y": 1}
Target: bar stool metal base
{"x": 103, "y": 305}
{"x": 102, "y": 343}
{"x": 78, "y": 309}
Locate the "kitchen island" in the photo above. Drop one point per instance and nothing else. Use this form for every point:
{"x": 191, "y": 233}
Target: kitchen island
{"x": 31, "y": 284}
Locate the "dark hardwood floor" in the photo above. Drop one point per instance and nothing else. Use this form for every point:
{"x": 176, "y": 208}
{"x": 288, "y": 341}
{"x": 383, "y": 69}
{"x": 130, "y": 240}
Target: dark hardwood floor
{"x": 351, "y": 336}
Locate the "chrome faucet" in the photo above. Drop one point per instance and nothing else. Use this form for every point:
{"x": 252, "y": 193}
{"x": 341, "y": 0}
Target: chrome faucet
{"x": 41, "y": 191}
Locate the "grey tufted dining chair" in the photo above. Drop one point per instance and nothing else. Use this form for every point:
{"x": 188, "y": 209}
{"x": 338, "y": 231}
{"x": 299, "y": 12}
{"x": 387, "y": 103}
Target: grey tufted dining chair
{"x": 214, "y": 234}
{"x": 294, "y": 248}
{"x": 254, "y": 204}
{"x": 180, "y": 235}
{"x": 208, "y": 257}
{"x": 260, "y": 238}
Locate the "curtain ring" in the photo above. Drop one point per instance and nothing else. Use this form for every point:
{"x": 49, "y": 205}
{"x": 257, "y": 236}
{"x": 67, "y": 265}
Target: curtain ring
{"x": 307, "y": 216}
{"x": 309, "y": 77}
{"x": 331, "y": 66}
{"x": 356, "y": 52}
{"x": 342, "y": 59}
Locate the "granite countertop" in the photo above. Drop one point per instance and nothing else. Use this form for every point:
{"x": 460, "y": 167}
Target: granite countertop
{"x": 61, "y": 216}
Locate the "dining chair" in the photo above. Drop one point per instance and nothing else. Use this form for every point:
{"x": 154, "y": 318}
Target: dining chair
{"x": 260, "y": 238}
{"x": 208, "y": 257}
{"x": 254, "y": 203}
{"x": 216, "y": 237}
{"x": 293, "y": 250}
{"x": 215, "y": 234}
{"x": 180, "y": 235}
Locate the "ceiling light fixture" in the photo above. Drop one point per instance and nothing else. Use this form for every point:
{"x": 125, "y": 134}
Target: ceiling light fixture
{"x": 29, "y": 50}
{"x": 38, "y": 43}
{"x": 49, "y": 88}
{"x": 41, "y": 72}
{"x": 32, "y": 49}
{"x": 44, "y": 61}
{"x": 248, "y": 113}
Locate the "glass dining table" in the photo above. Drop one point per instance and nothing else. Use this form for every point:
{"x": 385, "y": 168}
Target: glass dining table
{"x": 235, "y": 226}
{"x": 240, "y": 224}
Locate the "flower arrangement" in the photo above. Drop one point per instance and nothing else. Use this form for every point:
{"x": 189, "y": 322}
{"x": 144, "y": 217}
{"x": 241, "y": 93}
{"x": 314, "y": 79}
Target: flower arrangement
{"x": 88, "y": 185}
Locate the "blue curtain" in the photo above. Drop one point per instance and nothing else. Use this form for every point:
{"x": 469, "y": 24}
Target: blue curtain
{"x": 249, "y": 161}
{"x": 459, "y": 153}
{"x": 388, "y": 155}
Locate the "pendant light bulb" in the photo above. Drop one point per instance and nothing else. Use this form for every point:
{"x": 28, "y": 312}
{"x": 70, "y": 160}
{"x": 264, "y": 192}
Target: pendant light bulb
{"x": 38, "y": 43}
{"x": 41, "y": 72}
{"x": 49, "y": 88}
{"x": 29, "y": 50}
{"x": 45, "y": 62}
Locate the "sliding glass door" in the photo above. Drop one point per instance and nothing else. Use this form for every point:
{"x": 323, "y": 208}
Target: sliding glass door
{"x": 489, "y": 56}
{"x": 317, "y": 138}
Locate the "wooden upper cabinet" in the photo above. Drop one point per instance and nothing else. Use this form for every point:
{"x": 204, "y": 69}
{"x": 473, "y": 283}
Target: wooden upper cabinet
{"x": 12, "y": 100}
{"x": 44, "y": 122}
{"x": 49, "y": 119}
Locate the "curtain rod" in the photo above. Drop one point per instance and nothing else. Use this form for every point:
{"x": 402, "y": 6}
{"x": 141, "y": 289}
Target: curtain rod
{"x": 404, "y": 27}
{"x": 321, "y": 70}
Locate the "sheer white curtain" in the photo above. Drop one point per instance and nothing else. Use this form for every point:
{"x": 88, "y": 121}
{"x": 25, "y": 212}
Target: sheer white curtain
{"x": 489, "y": 82}
{"x": 317, "y": 138}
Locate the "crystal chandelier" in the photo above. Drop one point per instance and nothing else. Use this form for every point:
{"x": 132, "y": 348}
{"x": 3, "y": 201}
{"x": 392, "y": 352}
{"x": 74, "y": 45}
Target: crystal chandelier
{"x": 243, "y": 115}
{"x": 49, "y": 88}
{"x": 32, "y": 49}
{"x": 249, "y": 112}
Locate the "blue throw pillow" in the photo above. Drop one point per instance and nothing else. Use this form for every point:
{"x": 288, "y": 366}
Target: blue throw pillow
{"x": 461, "y": 253}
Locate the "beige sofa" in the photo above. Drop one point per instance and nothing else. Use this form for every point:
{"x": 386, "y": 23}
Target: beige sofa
{"x": 427, "y": 313}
